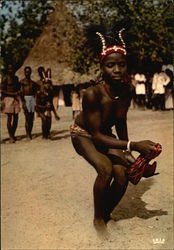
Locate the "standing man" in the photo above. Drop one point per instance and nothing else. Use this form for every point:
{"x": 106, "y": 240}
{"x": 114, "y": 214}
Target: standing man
{"x": 11, "y": 98}
{"x": 28, "y": 92}
{"x": 159, "y": 82}
{"x": 140, "y": 89}
{"x": 105, "y": 105}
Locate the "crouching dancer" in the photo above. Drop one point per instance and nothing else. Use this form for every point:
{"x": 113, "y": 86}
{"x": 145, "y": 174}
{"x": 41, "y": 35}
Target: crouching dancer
{"x": 106, "y": 105}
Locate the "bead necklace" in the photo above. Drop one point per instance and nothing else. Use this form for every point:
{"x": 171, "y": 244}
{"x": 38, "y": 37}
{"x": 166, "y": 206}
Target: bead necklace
{"x": 109, "y": 92}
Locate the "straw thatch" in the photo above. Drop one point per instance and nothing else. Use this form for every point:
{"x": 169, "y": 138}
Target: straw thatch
{"x": 52, "y": 49}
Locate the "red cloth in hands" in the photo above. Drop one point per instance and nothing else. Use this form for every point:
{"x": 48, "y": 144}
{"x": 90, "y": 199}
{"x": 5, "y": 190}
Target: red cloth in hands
{"x": 141, "y": 166}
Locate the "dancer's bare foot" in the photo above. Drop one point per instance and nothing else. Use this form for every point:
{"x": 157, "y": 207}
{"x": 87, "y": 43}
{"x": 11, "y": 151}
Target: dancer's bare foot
{"x": 107, "y": 217}
{"x": 99, "y": 224}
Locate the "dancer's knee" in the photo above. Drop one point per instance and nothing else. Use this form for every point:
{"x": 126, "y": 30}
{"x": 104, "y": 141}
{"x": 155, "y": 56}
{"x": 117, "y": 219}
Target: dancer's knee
{"x": 120, "y": 174}
{"x": 104, "y": 169}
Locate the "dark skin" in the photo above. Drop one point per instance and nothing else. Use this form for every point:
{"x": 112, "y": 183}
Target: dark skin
{"x": 11, "y": 88}
{"x": 28, "y": 88}
{"x": 49, "y": 86}
{"x": 103, "y": 151}
{"x": 47, "y": 80}
{"x": 42, "y": 109}
{"x": 44, "y": 102}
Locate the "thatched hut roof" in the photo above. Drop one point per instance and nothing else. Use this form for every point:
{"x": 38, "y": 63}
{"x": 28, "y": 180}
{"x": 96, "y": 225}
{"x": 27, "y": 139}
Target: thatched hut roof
{"x": 52, "y": 49}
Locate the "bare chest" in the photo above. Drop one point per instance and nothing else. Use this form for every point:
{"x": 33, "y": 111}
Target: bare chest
{"x": 113, "y": 110}
{"x": 11, "y": 84}
{"x": 27, "y": 87}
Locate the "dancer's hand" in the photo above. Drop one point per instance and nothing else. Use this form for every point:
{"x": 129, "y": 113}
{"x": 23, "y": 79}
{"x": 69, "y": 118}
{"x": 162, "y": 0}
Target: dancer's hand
{"x": 143, "y": 147}
{"x": 129, "y": 157}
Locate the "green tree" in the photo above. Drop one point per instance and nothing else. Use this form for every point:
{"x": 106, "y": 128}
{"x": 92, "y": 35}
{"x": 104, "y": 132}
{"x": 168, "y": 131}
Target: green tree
{"x": 21, "y": 23}
{"x": 149, "y": 27}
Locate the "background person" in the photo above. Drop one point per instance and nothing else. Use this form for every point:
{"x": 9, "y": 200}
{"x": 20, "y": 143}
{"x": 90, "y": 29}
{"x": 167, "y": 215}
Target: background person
{"x": 44, "y": 103}
{"x": 75, "y": 100}
{"x": 159, "y": 82}
{"x": 11, "y": 98}
{"x": 169, "y": 99}
{"x": 48, "y": 80}
{"x": 28, "y": 92}
{"x": 140, "y": 89}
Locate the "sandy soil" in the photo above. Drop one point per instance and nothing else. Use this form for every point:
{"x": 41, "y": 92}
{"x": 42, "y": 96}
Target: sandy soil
{"x": 46, "y": 191}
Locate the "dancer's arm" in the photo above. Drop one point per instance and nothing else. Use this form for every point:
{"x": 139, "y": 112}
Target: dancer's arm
{"x": 92, "y": 115}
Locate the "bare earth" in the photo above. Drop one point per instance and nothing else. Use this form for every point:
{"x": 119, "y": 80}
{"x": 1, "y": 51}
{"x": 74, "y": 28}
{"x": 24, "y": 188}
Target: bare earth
{"x": 46, "y": 191}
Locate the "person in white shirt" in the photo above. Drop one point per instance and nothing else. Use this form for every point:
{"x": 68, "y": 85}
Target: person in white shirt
{"x": 169, "y": 98}
{"x": 160, "y": 80}
{"x": 140, "y": 89}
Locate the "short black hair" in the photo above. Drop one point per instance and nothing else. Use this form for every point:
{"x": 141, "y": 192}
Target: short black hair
{"x": 27, "y": 67}
{"x": 40, "y": 69}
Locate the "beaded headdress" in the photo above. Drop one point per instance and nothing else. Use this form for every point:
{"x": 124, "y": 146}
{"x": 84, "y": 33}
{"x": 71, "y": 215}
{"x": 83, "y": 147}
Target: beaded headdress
{"x": 111, "y": 49}
{"x": 46, "y": 75}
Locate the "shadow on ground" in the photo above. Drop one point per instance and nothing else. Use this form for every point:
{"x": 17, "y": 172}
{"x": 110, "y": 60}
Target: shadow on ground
{"x": 132, "y": 204}
{"x": 55, "y": 135}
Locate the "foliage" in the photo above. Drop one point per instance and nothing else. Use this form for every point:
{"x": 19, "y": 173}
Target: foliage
{"x": 149, "y": 29}
{"x": 21, "y": 23}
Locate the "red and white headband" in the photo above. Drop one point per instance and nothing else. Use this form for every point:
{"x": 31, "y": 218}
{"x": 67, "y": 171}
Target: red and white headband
{"x": 111, "y": 49}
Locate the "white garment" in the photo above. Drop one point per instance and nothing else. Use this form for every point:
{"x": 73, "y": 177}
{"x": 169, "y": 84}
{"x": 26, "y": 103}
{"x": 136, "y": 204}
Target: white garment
{"x": 75, "y": 101}
{"x": 160, "y": 80}
{"x": 140, "y": 88}
{"x": 61, "y": 98}
{"x": 30, "y": 103}
{"x": 140, "y": 78}
{"x": 169, "y": 99}
{"x": 169, "y": 66}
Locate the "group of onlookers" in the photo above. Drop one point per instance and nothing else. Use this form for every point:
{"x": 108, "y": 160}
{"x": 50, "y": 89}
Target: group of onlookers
{"x": 154, "y": 92}
{"x": 34, "y": 96}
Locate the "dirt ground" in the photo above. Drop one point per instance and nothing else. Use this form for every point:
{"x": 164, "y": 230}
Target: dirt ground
{"x": 46, "y": 191}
